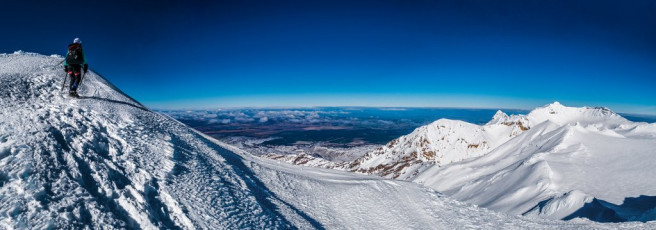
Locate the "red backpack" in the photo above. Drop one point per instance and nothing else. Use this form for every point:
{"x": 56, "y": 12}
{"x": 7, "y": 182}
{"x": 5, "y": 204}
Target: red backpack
{"x": 75, "y": 55}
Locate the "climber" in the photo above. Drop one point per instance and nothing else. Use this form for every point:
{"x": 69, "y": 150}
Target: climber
{"x": 74, "y": 64}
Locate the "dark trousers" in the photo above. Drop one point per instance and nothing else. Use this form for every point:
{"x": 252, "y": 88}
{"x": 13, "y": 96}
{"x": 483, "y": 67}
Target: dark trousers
{"x": 75, "y": 72}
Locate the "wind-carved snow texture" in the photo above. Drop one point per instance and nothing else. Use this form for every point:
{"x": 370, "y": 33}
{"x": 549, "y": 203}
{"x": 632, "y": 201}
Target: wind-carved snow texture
{"x": 106, "y": 162}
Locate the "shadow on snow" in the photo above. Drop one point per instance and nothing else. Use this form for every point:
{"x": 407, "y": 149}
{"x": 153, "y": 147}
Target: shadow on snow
{"x": 642, "y": 208}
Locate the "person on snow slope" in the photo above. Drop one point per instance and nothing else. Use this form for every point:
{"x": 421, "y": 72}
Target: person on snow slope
{"x": 75, "y": 62}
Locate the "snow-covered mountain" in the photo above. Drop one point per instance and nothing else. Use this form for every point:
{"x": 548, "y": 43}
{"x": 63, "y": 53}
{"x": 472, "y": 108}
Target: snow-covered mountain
{"x": 439, "y": 143}
{"x": 569, "y": 157}
{"x": 551, "y": 162}
{"x": 105, "y": 161}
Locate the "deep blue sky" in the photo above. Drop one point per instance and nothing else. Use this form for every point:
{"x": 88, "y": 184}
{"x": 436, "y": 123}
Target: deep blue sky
{"x": 458, "y": 53}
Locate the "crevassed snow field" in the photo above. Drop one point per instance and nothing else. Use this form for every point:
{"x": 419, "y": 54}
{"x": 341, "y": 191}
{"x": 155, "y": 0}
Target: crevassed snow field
{"x": 105, "y": 161}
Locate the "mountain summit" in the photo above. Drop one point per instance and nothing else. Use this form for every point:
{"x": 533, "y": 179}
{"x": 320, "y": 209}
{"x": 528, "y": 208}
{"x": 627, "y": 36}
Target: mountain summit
{"x": 562, "y": 115}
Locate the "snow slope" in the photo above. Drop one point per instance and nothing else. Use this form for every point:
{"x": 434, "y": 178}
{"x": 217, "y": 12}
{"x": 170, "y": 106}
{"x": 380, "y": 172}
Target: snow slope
{"x": 105, "y": 161}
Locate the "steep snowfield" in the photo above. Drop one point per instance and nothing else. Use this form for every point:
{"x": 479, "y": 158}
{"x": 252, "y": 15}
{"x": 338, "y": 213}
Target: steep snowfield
{"x": 105, "y": 161}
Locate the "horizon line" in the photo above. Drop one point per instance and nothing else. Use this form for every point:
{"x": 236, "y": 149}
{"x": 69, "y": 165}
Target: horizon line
{"x": 373, "y": 107}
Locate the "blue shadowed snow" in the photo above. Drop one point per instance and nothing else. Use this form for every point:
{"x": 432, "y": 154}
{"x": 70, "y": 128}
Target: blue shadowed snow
{"x": 632, "y": 209}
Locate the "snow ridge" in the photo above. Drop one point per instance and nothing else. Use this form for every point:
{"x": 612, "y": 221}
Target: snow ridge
{"x": 105, "y": 160}
{"x": 562, "y": 115}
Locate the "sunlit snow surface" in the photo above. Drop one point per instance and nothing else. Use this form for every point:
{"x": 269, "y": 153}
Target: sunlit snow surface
{"x": 105, "y": 161}
{"x": 568, "y": 157}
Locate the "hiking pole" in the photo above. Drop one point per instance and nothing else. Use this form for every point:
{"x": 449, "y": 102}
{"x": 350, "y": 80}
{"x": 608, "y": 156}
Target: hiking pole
{"x": 64, "y": 83}
{"x": 81, "y": 79}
